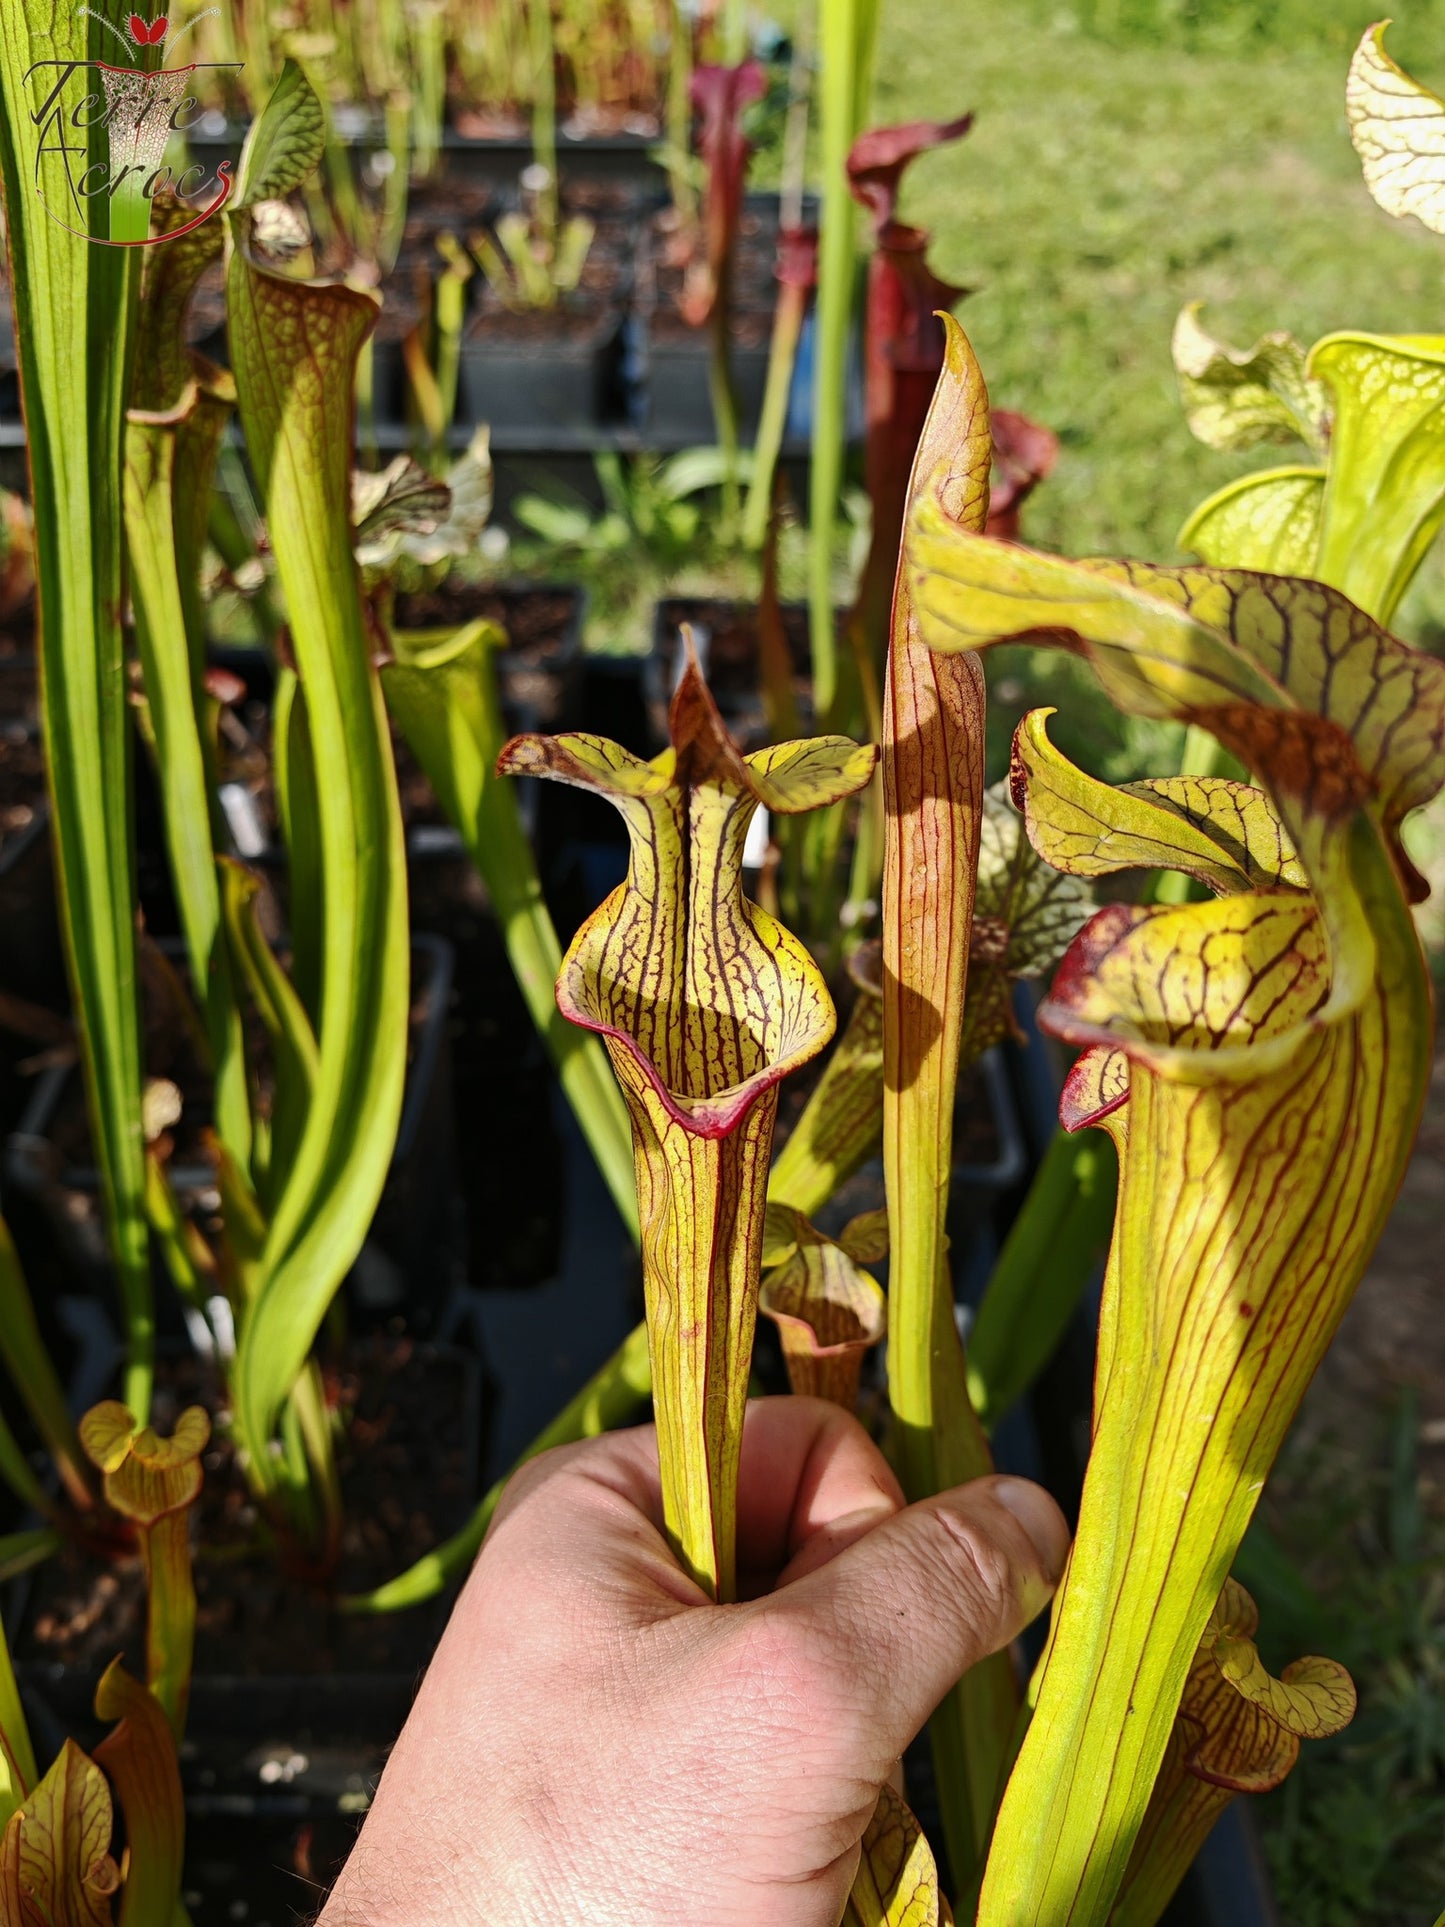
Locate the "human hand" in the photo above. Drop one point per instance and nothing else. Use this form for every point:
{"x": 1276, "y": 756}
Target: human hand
{"x": 597, "y": 1744}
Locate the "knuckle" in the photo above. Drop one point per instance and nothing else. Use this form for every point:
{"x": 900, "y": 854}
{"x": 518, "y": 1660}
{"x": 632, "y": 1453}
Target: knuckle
{"x": 978, "y": 1565}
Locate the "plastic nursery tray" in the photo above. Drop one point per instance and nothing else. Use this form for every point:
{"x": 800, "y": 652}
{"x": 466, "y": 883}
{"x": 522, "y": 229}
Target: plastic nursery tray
{"x": 406, "y": 1266}
{"x": 494, "y": 160}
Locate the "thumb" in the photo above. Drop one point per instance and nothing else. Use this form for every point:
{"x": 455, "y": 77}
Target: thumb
{"x": 900, "y": 1615}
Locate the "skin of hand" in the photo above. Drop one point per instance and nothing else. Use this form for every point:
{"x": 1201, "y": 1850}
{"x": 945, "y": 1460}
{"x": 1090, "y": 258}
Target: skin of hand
{"x": 596, "y": 1744}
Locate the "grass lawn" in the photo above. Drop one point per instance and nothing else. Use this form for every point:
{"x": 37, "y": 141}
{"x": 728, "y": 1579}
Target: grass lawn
{"x": 1104, "y": 186}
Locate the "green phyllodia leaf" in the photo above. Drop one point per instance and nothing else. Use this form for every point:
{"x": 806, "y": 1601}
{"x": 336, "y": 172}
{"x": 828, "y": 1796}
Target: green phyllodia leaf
{"x": 55, "y": 1864}
{"x": 285, "y": 143}
{"x": 180, "y": 405}
{"x": 897, "y": 1881}
{"x": 1236, "y": 398}
{"x": 294, "y": 346}
{"x": 1049, "y": 1258}
{"x": 288, "y": 1030}
{"x": 1259, "y": 1061}
{"x": 73, "y": 302}
{"x": 37, "y": 1382}
{"x": 140, "y": 1757}
{"x": 18, "y": 1772}
{"x": 704, "y": 1004}
{"x": 1398, "y": 128}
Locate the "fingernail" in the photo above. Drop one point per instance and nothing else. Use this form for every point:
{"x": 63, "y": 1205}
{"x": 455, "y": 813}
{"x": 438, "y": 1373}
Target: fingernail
{"x": 1040, "y": 1519}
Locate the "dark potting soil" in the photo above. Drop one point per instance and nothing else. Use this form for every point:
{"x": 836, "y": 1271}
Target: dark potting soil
{"x": 22, "y": 778}
{"x": 541, "y": 629}
{"x": 727, "y": 639}
{"x": 537, "y": 621}
{"x": 441, "y": 206}
{"x": 408, "y": 1474}
{"x": 669, "y": 249}
{"x": 604, "y": 281}
{"x": 262, "y": 1872}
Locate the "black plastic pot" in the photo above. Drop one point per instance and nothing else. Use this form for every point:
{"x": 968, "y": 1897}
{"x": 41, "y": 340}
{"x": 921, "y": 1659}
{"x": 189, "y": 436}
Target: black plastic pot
{"x": 678, "y": 356}
{"x": 677, "y": 363}
{"x": 564, "y": 375}
{"x": 624, "y": 160}
{"x": 616, "y": 160}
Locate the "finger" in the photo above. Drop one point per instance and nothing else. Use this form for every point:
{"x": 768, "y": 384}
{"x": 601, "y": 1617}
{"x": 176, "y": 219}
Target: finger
{"x": 810, "y": 1481}
{"x": 892, "y": 1622}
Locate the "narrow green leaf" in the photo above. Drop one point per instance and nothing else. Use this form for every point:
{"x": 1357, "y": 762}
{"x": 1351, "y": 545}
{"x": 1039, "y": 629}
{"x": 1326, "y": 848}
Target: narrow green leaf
{"x": 298, "y": 810}
{"x": 283, "y": 1017}
{"x": 846, "y": 37}
{"x": 294, "y": 347}
{"x": 19, "y": 1551}
{"x": 1054, "y": 1247}
{"x": 173, "y": 437}
{"x": 74, "y": 304}
{"x": 36, "y": 1380}
{"x": 18, "y": 1771}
